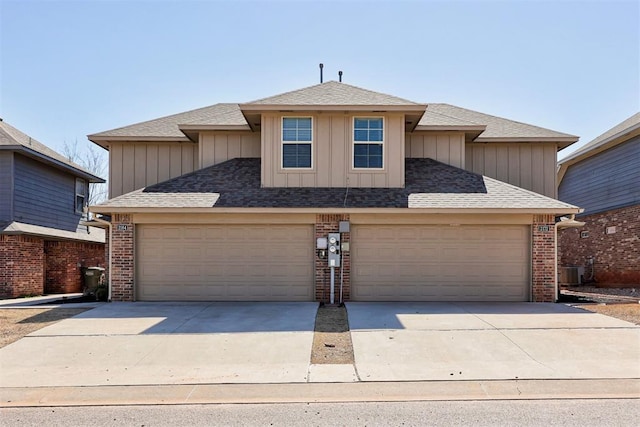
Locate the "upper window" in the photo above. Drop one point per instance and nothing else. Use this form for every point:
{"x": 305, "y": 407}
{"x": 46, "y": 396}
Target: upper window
{"x": 368, "y": 139}
{"x": 81, "y": 194}
{"x": 297, "y": 137}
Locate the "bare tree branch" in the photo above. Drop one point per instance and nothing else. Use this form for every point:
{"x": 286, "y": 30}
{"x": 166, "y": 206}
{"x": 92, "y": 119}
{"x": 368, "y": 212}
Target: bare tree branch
{"x": 93, "y": 160}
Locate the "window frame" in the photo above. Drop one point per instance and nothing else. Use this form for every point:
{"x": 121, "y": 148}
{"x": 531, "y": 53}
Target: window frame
{"x": 283, "y": 143}
{"x": 354, "y": 143}
{"x": 77, "y": 194}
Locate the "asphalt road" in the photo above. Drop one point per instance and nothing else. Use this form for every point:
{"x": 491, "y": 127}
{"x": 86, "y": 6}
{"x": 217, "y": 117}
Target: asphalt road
{"x": 546, "y": 413}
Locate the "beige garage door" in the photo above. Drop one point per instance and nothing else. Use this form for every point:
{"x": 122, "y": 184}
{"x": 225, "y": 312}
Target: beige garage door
{"x": 224, "y": 262}
{"x": 440, "y": 263}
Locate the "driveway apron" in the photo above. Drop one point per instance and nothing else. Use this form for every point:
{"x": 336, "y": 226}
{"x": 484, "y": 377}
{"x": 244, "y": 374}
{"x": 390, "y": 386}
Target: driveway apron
{"x": 480, "y": 341}
{"x": 166, "y": 343}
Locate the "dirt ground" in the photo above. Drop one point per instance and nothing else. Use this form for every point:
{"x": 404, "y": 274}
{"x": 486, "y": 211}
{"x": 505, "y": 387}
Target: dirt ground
{"x": 16, "y": 323}
{"x": 628, "y": 312}
{"x": 332, "y": 339}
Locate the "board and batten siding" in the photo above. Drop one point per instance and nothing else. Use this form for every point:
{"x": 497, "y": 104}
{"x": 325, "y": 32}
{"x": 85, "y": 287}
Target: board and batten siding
{"x": 445, "y": 147}
{"x": 137, "y": 165}
{"x": 332, "y": 153}
{"x": 607, "y": 180}
{"x": 6, "y": 186}
{"x": 531, "y": 166}
{"x": 219, "y": 146}
{"x": 44, "y": 196}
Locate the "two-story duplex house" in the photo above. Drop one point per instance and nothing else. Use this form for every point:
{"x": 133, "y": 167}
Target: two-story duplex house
{"x": 432, "y": 201}
{"x": 603, "y": 177}
{"x": 43, "y": 244}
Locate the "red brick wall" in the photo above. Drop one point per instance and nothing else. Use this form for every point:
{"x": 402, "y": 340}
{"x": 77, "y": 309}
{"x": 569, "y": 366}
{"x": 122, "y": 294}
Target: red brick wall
{"x": 122, "y": 276}
{"x": 63, "y": 275}
{"x": 616, "y": 256}
{"x": 325, "y": 224}
{"x": 21, "y": 266}
{"x": 543, "y": 259}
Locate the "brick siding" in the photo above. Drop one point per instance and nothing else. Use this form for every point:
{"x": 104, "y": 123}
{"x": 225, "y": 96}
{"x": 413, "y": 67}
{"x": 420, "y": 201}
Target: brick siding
{"x": 34, "y": 266}
{"x": 543, "y": 278}
{"x": 122, "y": 276}
{"x": 616, "y": 256}
{"x": 21, "y": 266}
{"x": 325, "y": 224}
{"x": 64, "y": 262}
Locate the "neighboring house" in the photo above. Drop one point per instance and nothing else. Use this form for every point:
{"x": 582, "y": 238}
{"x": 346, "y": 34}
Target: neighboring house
{"x": 603, "y": 177}
{"x": 42, "y": 196}
{"x": 435, "y": 202}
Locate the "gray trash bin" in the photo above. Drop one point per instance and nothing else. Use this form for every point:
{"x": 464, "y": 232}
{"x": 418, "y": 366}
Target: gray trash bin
{"x": 91, "y": 277}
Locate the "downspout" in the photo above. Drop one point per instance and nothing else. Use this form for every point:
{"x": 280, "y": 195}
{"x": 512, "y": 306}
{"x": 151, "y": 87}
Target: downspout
{"x": 108, "y": 224}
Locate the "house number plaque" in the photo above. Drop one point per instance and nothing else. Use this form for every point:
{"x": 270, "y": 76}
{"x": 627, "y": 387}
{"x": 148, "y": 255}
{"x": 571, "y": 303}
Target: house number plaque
{"x": 123, "y": 227}
{"x": 544, "y": 228}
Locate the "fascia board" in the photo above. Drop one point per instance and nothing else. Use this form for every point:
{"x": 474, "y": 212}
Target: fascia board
{"x": 554, "y": 211}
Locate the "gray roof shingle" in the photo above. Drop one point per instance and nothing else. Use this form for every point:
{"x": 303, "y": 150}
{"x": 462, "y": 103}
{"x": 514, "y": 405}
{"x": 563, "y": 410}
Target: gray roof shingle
{"x": 168, "y": 126}
{"x": 617, "y": 131}
{"x": 11, "y": 137}
{"x": 333, "y": 93}
{"x": 496, "y": 127}
{"x": 429, "y": 184}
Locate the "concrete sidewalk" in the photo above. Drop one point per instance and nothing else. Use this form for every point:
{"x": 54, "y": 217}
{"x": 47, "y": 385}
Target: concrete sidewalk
{"x": 319, "y": 392}
{"x": 209, "y": 352}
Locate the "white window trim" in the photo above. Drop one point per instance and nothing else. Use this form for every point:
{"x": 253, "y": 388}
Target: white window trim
{"x": 354, "y": 142}
{"x": 76, "y": 194}
{"x": 283, "y": 143}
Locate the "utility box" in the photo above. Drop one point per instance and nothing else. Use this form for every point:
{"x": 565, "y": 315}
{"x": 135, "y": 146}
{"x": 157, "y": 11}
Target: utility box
{"x": 334, "y": 249}
{"x": 91, "y": 279}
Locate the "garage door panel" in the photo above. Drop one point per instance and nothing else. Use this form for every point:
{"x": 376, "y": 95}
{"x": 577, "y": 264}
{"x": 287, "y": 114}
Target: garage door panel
{"x": 235, "y": 262}
{"x": 473, "y": 263}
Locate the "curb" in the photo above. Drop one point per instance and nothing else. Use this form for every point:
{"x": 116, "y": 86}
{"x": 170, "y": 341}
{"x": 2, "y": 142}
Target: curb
{"x": 189, "y": 394}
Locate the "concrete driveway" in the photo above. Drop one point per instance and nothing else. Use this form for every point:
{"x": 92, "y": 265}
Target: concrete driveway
{"x": 479, "y": 341}
{"x": 166, "y": 343}
{"x": 122, "y": 344}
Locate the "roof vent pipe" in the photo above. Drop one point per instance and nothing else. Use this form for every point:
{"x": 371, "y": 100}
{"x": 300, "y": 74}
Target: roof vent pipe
{"x": 321, "y": 66}
{"x": 340, "y": 76}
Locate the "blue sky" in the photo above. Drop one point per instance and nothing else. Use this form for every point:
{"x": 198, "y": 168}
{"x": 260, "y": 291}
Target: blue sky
{"x": 71, "y": 68}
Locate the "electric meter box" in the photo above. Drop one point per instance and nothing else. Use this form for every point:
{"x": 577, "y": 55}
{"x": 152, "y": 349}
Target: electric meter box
{"x": 334, "y": 249}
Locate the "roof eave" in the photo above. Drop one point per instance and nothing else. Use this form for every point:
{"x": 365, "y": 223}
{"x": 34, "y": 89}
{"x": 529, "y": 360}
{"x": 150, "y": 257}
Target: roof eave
{"x": 205, "y": 127}
{"x": 56, "y": 163}
{"x": 607, "y": 143}
{"x": 478, "y": 128}
{"x": 103, "y": 140}
{"x": 561, "y": 141}
{"x": 417, "y": 108}
{"x": 182, "y": 210}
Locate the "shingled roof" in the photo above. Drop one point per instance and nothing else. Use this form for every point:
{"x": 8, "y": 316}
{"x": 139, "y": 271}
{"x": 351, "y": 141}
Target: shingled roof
{"x": 169, "y": 126}
{"x": 13, "y": 139}
{"x": 619, "y": 133}
{"x": 429, "y": 184}
{"x": 497, "y": 128}
{"x": 334, "y": 94}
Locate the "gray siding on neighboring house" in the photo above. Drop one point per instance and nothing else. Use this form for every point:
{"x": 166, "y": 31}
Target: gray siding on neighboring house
{"x": 607, "y": 180}
{"x": 44, "y": 195}
{"x": 6, "y": 185}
